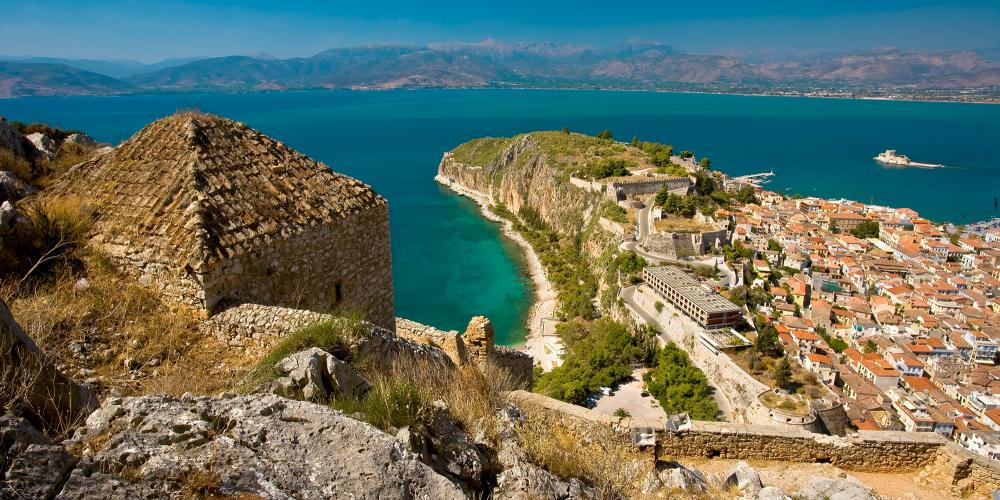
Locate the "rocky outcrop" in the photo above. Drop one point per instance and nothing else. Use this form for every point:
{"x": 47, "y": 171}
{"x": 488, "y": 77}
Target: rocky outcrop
{"x": 43, "y": 144}
{"x": 33, "y": 386}
{"x": 744, "y": 478}
{"x": 523, "y": 480}
{"x": 521, "y": 176}
{"x": 316, "y": 375}
{"x": 821, "y": 488}
{"x": 258, "y": 445}
{"x": 12, "y": 188}
{"x": 31, "y": 466}
{"x": 80, "y": 139}
{"x": 11, "y": 138}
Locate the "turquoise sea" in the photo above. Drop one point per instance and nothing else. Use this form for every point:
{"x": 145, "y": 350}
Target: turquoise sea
{"x": 450, "y": 265}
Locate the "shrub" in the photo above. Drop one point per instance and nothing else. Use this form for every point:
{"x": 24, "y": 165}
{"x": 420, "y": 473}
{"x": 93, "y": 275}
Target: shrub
{"x": 334, "y": 336}
{"x": 391, "y": 403}
{"x": 612, "y": 167}
{"x": 616, "y": 213}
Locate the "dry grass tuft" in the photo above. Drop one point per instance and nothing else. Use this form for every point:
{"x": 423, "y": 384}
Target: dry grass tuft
{"x": 601, "y": 456}
{"x": 15, "y": 164}
{"x": 69, "y": 154}
{"x": 401, "y": 392}
{"x": 117, "y": 320}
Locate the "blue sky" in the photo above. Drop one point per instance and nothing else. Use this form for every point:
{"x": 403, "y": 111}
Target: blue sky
{"x": 155, "y": 30}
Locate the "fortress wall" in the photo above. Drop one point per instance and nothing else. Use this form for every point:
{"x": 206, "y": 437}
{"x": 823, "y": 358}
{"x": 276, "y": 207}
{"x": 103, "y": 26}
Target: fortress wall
{"x": 304, "y": 270}
{"x": 935, "y": 459}
{"x": 261, "y": 326}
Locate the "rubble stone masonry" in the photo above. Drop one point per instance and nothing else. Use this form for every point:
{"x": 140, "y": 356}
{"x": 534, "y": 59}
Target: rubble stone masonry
{"x": 934, "y": 461}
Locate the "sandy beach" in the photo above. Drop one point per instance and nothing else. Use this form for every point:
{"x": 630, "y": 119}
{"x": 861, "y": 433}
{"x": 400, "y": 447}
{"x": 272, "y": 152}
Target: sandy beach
{"x": 541, "y": 342}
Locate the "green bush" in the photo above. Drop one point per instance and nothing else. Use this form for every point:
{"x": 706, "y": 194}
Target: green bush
{"x": 616, "y": 213}
{"x": 389, "y": 404}
{"x": 680, "y": 386}
{"x": 612, "y": 167}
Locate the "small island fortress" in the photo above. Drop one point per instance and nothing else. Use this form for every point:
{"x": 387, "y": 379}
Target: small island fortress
{"x": 891, "y": 157}
{"x": 213, "y": 213}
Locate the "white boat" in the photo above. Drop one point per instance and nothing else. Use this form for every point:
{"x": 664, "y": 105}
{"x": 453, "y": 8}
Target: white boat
{"x": 891, "y": 157}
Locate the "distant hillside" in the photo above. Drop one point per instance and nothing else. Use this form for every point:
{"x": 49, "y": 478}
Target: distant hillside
{"x": 895, "y": 67}
{"x": 636, "y": 65}
{"x": 24, "y": 79}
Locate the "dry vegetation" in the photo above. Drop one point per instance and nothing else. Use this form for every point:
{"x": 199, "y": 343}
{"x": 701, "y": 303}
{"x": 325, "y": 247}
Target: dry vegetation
{"x": 111, "y": 321}
{"x": 12, "y": 163}
{"x": 674, "y": 224}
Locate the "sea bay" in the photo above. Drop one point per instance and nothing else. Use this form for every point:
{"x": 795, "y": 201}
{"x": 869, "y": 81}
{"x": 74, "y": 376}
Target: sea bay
{"x": 449, "y": 264}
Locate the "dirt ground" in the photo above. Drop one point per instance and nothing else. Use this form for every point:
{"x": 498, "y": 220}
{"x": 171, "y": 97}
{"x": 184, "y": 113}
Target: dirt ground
{"x": 791, "y": 477}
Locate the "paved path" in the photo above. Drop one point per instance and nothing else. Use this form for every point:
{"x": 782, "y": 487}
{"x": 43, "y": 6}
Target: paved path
{"x": 629, "y": 397}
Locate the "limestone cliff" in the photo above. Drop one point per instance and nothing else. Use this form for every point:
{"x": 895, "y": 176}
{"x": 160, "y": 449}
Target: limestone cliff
{"x": 531, "y": 173}
{"x": 521, "y": 174}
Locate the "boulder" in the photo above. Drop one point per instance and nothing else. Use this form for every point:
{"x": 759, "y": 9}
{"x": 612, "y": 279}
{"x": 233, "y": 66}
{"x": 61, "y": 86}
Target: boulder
{"x": 81, "y": 139}
{"x": 316, "y": 375}
{"x": 10, "y": 138}
{"x": 744, "y": 478}
{"x": 821, "y": 488}
{"x": 256, "y": 445}
{"x": 44, "y": 145}
{"x": 678, "y": 477}
{"x": 453, "y": 452}
{"x": 771, "y": 493}
{"x": 12, "y": 188}
{"x": 31, "y": 466}
{"x": 42, "y": 394}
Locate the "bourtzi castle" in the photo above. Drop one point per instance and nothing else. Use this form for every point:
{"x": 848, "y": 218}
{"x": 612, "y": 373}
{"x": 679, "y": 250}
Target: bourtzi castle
{"x": 214, "y": 213}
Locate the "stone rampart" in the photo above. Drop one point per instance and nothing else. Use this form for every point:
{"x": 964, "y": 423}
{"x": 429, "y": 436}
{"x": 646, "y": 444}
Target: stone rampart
{"x": 936, "y": 460}
{"x": 260, "y": 326}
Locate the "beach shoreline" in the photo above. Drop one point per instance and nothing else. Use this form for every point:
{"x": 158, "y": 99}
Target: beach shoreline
{"x": 541, "y": 344}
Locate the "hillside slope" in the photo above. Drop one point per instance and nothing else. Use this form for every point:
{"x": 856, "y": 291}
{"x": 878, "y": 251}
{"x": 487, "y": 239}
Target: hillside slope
{"x": 29, "y": 80}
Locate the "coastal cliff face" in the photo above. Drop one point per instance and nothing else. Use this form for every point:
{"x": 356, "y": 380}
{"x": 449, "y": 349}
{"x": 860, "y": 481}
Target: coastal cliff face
{"x": 520, "y": 174}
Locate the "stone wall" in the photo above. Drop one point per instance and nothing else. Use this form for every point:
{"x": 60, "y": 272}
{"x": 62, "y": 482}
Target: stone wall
{"x": 305, "y": 270}
{"x": 963, "y": 473}
{"x": 619, "y": 190}
{"x": 260, "y": 326}
{"x": 677, "y": 245}
{"x": 936, "y": 459}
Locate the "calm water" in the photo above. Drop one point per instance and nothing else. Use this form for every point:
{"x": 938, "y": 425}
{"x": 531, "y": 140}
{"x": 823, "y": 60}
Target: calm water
{"x": 450, "y": 265}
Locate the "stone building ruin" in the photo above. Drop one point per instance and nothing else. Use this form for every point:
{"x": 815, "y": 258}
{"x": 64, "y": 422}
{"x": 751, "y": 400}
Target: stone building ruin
{"x": 213, "y": 213}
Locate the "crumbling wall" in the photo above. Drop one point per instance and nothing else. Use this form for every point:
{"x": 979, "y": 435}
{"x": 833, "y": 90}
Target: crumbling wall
{"x": 965, "y": 474}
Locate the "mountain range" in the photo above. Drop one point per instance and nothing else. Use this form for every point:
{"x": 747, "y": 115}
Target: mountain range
{"x": 635, "y": 65}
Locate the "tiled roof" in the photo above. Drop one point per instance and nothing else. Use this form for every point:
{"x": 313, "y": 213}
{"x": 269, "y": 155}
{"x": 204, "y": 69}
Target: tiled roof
{"x": 194, "y": 189}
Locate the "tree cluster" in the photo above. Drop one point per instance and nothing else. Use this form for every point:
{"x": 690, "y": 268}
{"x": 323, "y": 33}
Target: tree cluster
{"x": 680, "y": 386}
{"x": 597, "y": 355}
{"x": 612, "y": 167}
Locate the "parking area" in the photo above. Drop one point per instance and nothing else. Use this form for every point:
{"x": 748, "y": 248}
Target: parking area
{"x": 629, "y": 397}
